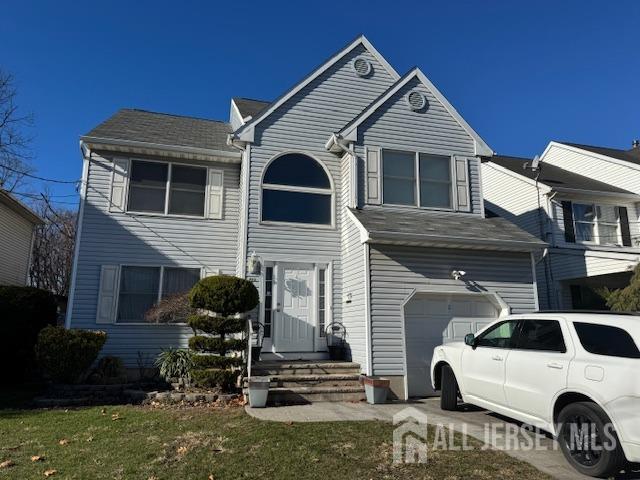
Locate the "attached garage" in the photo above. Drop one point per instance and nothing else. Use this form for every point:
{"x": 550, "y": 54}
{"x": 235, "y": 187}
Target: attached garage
{"x": 432, "y": 319}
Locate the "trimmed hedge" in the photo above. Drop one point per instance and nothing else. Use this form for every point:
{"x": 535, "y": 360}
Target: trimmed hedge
{"x": 216, "y": 344}
{"x": 203, "y": 361}
{"x": 24, "y": 311}
{"x": 224, "y": 294}
{"x": 214, "y": 378}
{"x": 221, "y": 325}
{"x": 66, "y": 355}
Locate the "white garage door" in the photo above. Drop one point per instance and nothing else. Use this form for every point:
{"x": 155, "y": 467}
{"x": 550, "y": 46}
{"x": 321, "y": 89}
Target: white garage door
{"x": 431, "y": 320}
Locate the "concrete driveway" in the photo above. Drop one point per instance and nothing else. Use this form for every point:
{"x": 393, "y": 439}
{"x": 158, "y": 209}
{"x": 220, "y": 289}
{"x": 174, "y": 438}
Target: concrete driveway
{"x": 494, "y": 430}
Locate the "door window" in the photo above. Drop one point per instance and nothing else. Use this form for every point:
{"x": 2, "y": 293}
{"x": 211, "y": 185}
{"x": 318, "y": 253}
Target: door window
{"x": 501, "y": 335}
{"x": 541, "y": 335}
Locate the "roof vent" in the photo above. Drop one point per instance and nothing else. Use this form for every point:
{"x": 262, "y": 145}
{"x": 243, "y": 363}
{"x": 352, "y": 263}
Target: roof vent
{"x": 362, "y": 66}
{"x": 416, "y": 100}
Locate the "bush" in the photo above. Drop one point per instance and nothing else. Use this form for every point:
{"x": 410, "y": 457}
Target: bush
{"x": 24, "y": 311}
{"x": 225, "y": 295}
{"x": 216, "y": 324}
{"x": 109, "y": 370}
{"x": 625, "y": 299}
{"x": 217, "y": 345}
{"x": 66, "y": 355}
{"x": 171, "y": 309}
{"x": 215, "y": 378}
{"x": 175, "y": 364}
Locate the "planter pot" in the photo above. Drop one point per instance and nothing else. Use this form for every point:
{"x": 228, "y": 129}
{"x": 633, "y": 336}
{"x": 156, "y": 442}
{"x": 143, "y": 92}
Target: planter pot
{"x": 255, "y": 354}
{"x": 258, "y": 391}
{"x": 376, "y": 389}
{"x": 336, "y": 352}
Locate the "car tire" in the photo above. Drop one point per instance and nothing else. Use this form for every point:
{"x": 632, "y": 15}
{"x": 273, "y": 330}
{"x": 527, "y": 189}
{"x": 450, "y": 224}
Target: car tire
{"x": 449, "y": 390}
{"x": 595, "y": 463}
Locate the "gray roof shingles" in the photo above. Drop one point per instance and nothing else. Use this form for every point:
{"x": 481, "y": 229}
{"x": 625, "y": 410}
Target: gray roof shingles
{"x": 164, "y": 129}
{"x": 249, "y": 107}
{"x": 554, "y": 176}
{"x": 386, "y": 224}
{"x": 632, "y": 155}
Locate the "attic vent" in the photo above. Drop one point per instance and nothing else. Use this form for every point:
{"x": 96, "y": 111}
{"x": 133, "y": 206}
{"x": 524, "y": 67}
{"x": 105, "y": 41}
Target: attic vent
{"x": 362, "y": 66}
{"x": 416, "y": 100}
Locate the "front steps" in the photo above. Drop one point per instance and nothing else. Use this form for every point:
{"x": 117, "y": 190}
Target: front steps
{"x": 309, "y": 381}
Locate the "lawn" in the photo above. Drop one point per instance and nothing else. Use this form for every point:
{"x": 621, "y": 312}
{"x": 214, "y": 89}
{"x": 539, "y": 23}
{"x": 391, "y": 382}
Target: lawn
{"x": 206, "y": 443}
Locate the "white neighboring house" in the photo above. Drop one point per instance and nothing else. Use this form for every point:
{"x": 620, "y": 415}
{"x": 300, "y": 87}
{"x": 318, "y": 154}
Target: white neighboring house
{"x": 17, "y": 229}
{"x": 585, "y": 202}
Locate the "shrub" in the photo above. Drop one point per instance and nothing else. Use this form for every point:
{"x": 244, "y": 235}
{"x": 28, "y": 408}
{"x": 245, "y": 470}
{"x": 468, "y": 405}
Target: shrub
{"x": 109, "y": 370}
{"x": 24, "y": 311}
{"x": 66, "y": 355}
{"x": 221, "y": 298}
{"x": 175, "y": 364}
{"x": 625, "y": 299}
{"x": 171, "y": 309}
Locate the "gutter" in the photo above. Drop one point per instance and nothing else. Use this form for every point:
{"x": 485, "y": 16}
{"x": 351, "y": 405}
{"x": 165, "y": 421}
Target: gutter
{"x": 339, "y": 142}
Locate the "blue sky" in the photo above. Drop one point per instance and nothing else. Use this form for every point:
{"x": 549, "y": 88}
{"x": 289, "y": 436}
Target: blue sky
{"x": 521, "y": 73}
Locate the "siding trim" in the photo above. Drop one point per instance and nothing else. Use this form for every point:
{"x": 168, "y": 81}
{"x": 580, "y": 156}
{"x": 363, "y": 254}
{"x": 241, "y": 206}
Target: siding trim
{"x": 536, "y": 298}
{"x": 76, "y": 247}
{"x": 588, "y": 153}
{"x": 244, "y": 211}
{"x": 367, "y": 309}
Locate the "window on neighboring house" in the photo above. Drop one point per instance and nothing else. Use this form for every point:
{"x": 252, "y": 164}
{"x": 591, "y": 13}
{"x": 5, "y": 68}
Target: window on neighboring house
{"x": 167, "y": 188}
{"x": 418, "y": 179}
{"x": 322, "y": 301}
{"x": 268, "y": 301}
{"x": 296, "y": 189}
{"x": 597, "y": 224}
{"x": 142, "y": 287}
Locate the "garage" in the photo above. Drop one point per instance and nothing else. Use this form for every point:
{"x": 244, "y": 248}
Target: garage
{"x": 433, "y": 319}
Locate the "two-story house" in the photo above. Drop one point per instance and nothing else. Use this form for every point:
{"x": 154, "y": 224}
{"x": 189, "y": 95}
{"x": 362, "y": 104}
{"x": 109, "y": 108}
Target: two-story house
{"x": 355, "y": 197}
{"x": 583, "y": 201}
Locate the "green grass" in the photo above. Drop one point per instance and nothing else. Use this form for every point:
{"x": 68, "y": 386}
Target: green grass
{"x": 146, "y": 443}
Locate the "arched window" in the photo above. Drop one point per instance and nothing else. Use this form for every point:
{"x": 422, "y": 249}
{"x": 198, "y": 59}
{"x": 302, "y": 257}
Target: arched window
{"x": 296, "y": 189}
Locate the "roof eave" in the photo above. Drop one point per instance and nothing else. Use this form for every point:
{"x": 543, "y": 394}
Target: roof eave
{"x": 20, "y": 208}
{"x": 599, "y": 193}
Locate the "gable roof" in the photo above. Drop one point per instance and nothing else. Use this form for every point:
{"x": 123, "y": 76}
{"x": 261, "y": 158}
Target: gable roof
{"x": 388, "y": 225}
{"x": 632, "y": 155}
{"x": 246, "y": 131}
{"x": 248, "y": 107}
{"x": 141, "y": 126}
{"x": 555, "y": 177}
{"x": 349, "y": 131}
{"x": 20, "y": 208}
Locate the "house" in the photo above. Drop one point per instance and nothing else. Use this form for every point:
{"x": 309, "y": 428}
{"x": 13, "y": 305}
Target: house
{"x": 355, "y": 197}
{"x": 585, "y": 202}
{"x": 17, "y": 230}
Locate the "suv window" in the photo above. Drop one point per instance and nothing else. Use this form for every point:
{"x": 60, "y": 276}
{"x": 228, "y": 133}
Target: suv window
{"x": 606, "y": 340}
{"x": 500, "y": 335}
{"x": 542, "y": 335}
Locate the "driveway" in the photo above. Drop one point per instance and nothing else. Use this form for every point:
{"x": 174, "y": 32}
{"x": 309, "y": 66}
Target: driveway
{"x": 492, "y": 429}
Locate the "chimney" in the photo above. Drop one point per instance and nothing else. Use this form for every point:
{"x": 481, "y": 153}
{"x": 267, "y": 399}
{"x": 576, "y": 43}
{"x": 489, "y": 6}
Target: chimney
{"x": 635, "y": 144}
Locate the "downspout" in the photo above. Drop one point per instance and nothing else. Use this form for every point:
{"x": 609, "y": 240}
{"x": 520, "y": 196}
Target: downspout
{"x": 244, "y": 213}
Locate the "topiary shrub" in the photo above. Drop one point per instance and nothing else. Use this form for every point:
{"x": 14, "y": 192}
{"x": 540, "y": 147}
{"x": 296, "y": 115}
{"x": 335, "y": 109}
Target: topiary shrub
{"x": 24, "y": 311}
{"x": 220, "y": 301}
{"x": 66, "y": 355}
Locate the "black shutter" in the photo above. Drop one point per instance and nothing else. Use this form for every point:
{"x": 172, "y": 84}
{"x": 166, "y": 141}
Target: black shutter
{"x": 567, "y": 213}
{"x": 624, "y": 226}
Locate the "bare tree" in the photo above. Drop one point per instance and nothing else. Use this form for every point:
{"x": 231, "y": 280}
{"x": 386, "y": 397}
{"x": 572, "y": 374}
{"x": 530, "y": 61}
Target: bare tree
{"x": 53, "y": 245}
{"x": 15, "y": 155}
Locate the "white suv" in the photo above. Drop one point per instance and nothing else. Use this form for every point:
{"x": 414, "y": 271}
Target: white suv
{"x": 565, "y": 373}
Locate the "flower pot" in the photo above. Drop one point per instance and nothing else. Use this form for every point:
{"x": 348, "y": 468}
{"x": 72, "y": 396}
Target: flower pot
{"x": 376, "y": 389}
{"x": 336, "y": 352}
{"x": 258, "y": 391}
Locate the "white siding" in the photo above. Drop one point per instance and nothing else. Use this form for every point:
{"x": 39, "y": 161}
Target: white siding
{"x": 15, "y": 247}
{"x": 396, "y": 271}
{"x": 110, "y": 238}
{"x": 579, "y": 264}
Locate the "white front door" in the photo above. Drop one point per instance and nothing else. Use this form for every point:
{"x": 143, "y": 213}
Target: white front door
{"x": 294, "y": 319}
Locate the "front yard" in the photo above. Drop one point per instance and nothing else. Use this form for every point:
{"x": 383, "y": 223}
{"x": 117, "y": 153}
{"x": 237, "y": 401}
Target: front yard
{"x": 205, "y": 443}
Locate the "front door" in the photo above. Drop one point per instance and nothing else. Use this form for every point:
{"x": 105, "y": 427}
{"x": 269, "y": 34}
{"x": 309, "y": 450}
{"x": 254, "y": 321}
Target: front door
{"x": 294, "y": 320}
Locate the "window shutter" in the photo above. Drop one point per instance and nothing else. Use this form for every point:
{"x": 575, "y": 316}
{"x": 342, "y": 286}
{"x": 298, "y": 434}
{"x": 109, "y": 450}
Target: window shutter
{"x": 462, "y": 184}
{"x": 373, "y": 175}
{"x": 216, "y": 191}
{"x": 107, "y": 294}
{"x": 624, "y": 226}
{"x": 567, "y": 214}
{"x": 119, "y": 183}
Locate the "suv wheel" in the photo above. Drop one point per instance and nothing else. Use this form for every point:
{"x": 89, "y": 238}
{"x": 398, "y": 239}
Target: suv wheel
{"x": 449, "y": 391}
{"x": 588, "y": 440}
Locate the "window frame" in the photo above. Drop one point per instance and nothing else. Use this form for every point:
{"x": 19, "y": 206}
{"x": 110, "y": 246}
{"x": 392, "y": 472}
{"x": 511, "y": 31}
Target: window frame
{"x": 516, "y": 333}
{"x": 596, "y": 224}
{"x": 167, "y": 190}
{"x": 158, "y": 297}
{"x": 331, "y": 191}
{"x": 418, "y": 181}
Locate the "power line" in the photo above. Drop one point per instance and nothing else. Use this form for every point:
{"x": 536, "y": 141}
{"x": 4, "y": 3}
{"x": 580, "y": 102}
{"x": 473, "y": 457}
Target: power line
{"x": 52, "y": 180}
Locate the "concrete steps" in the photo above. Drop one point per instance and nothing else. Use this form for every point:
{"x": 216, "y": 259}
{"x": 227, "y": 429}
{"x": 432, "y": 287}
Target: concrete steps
{"x": 304, "y": 382}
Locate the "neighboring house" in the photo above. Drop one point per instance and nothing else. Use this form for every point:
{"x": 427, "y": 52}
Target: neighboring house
{"x": 355, "y": 197}
{"x": 17, "y": 230}
{"x": 584, "y": 201}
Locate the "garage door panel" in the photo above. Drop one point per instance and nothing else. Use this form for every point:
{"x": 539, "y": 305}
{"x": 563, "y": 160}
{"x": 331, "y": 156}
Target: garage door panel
{"x": 433, "y": 320}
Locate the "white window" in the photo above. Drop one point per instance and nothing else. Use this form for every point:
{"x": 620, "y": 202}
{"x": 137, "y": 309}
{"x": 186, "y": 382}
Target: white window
{"x": 418, "y": 179}
{"x": 597, "y": 224}
{"x": 142, "y": 287}
{"x": 167, "y": 188}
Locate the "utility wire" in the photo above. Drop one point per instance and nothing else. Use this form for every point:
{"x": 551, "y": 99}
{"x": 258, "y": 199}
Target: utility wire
{"x": 52, "y": 180}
